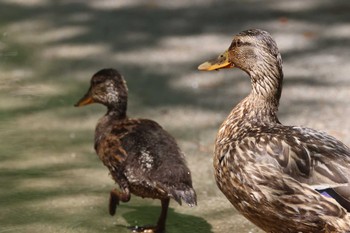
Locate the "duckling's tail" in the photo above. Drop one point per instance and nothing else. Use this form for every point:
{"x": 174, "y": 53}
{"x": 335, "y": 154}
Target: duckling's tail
{"x": 188, "y": 195}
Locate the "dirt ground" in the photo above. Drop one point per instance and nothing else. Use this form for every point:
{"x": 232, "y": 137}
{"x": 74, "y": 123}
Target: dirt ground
{"x": 50, "y": 178}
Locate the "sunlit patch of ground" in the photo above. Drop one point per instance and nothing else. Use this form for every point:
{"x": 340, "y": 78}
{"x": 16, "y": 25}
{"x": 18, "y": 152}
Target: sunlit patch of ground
{"x": 29, "y": 3}
{"x": 50, "y": 177}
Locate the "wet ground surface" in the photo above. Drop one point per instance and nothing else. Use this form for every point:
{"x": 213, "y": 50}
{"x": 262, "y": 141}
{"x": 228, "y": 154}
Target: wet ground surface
{"x": 50, "y": 177}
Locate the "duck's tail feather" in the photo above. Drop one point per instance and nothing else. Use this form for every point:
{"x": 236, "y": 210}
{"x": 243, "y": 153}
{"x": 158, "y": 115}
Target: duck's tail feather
{"x": 188, "y": 195}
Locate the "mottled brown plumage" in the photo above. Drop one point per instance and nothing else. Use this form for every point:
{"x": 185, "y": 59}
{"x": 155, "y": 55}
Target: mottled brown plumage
{"x": 271, "y": 173}
{"x": 141, "y": 156}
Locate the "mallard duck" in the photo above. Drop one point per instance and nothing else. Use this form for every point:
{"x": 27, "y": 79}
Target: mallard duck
{"x": 143, "y": 159}
{"x": 281, "y": 178}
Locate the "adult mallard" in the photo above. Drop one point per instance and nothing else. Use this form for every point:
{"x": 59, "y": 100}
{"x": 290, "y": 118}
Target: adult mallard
{"x": 281, "y": 178}
{"x": 141, "y": 156}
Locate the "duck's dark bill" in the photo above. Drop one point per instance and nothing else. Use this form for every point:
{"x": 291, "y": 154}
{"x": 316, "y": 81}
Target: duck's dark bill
{"x": 220, "y": 62}
{"x": 84, "y": 101}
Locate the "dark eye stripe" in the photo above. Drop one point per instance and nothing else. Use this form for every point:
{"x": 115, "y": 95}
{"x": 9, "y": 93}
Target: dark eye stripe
{"x": 238, "y": 44}
{"x": 97, "y": 80}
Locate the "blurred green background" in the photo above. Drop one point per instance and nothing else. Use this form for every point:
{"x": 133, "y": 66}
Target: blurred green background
{"x": 50, "y": 178}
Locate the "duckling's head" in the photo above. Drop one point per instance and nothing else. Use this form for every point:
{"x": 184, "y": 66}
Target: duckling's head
{"x": 107, "y": 87}
{"x": 253, "y": 51}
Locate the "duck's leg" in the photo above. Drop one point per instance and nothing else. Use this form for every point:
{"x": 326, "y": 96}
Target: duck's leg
{"x": 163, "y": 216}
{"x": 115, "y": 197}
{"x": 160, "y": 228}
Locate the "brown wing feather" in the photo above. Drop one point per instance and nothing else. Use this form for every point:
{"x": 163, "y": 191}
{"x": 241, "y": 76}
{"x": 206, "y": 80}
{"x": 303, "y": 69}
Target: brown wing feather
{"x": 308, "y": 156}
{"x": 251, "y": 178}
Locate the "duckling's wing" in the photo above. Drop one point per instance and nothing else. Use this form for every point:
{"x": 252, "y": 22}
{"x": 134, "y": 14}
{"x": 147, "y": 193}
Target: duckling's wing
{"x": 155, "y": 161}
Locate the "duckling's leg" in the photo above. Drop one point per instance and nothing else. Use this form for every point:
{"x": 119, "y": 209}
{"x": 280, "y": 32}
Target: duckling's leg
{"x": 163, "y": 215}
{"x": 115, "y": 197}
{"x": 160, "y": 228}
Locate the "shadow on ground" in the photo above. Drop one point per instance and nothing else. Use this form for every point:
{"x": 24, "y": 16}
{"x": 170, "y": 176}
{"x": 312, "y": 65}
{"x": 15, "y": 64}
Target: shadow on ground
{"x": 51, "y": 179}
{"x": 177, "y": 222}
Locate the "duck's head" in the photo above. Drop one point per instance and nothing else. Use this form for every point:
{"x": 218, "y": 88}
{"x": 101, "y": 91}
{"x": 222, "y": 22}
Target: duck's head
{"x": 107, "y": 87}
{"x": 253, "y": 51}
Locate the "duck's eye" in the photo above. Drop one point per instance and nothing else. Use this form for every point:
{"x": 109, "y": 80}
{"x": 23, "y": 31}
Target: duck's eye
{"x": 96, "y": 81}
{"x": 238, "y": 43}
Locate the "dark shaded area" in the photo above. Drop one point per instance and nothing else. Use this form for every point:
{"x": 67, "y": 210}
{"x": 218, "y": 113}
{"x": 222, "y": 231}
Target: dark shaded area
{"x": 145, "y": 25}
{"x": 121, "y": 30}
{"x": 144, "y": 215}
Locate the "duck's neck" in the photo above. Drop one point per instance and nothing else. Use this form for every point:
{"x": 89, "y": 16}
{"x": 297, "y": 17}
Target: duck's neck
{"x": 267, "y": 84}
{"x": 116, "y": 112}
{"x": 261, "y": 105}
{"x": 105, "y": 123}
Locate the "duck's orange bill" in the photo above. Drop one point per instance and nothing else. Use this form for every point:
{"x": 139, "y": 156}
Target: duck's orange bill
{"x": 221, "y": 62}
{"x": 84, "y": 101}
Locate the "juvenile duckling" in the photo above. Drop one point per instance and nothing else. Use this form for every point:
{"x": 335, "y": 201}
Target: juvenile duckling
{"x": 284, "y": 179}
{"x": 143, "y": 159}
